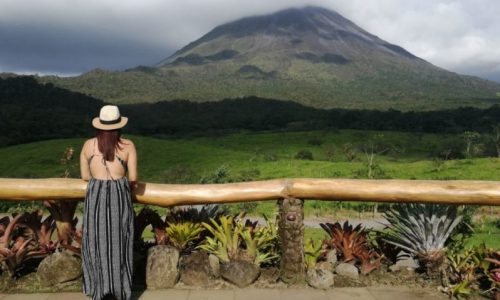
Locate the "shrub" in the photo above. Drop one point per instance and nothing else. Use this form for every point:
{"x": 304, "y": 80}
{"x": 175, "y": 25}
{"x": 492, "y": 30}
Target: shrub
{"x": 315, "y": 141}
{"x": 350, "y": 151}
{"x": 304, "y": 154}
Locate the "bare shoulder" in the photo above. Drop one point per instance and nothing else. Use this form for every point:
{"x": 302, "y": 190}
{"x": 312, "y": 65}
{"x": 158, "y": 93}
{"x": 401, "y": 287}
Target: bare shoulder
{"x": 128, "y": 143}
{"x": 88, "y": 143}
{"x": 87, "y": 146}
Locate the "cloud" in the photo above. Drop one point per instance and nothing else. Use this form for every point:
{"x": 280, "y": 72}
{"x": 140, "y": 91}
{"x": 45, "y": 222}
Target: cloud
{"x": 74, "y": 36}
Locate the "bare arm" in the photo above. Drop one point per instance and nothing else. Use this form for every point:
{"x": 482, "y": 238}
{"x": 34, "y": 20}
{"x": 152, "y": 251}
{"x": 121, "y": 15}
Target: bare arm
{"x": 132, "y": 165}
{"x": 84, "y": 166}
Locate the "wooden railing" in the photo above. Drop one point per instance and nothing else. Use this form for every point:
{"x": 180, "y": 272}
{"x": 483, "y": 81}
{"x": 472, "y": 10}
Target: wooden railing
{"x": 290, "y": 194}
{"x": 417, "y": 191}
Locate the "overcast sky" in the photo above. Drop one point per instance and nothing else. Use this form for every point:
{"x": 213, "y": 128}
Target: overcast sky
{"x": 68, "y": 37}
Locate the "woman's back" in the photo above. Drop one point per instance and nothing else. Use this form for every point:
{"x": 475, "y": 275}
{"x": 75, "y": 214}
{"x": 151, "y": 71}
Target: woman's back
{"x": 117, "y": 168}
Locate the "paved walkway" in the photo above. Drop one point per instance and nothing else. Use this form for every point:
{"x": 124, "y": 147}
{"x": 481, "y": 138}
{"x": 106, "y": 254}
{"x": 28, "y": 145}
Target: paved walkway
{"x": 368, "y": 293}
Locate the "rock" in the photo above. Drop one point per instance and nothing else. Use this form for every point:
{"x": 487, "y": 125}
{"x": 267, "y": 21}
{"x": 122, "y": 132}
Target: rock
{"x": 406, "y": 264}
{"x": 214, "y": 265}
{"x": 240, "y": 272}
{"x": 59, "y": 267}
{"x": 269, "y": 275}
{"x": 325, "y": 266}
{"x": 6, "y": 280}
{"x": 161, "y": 267}
{"x": 195, "y": 269}
{"x": 331, "y": 257}
{"x": 347, "y": 270}
{"x": 320, "y": 278}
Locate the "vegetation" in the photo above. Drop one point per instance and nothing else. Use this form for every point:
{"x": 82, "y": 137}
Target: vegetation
{"x": 422, "y": 231}
{"x": 378, "y": 89}
{"x": 313, "y": 250}
{"x": 352, "y": 244}
{"x": 232, "y": 240}
{"x": 30, "y": 111}
{"x": 183, "y": 235}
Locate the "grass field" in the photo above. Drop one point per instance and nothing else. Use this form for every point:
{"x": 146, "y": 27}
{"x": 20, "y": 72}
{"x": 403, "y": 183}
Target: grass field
{"x": 259, "y": 156}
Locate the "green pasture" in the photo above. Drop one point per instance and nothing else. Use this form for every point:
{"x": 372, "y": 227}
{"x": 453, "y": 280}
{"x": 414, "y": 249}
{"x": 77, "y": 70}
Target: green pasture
{"x": 260, "y": 156}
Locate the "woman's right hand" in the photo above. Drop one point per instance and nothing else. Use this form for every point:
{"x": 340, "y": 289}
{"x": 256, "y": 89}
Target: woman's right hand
{"x": 133, "y": 185}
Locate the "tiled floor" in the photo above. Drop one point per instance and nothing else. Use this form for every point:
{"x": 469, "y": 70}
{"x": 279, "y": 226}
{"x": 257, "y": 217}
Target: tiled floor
{"x": 370, "y": 293}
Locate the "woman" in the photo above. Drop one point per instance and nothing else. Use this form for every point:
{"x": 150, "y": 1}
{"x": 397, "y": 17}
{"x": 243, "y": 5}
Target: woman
{"x": 107, "y": 227}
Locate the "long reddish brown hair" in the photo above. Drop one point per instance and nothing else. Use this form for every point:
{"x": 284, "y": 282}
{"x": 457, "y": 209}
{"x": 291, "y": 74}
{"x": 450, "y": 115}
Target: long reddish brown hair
{"x": 108, "y": 141}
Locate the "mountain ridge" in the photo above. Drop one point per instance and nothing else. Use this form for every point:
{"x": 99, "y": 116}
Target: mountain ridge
{"x": 309, "y": 54}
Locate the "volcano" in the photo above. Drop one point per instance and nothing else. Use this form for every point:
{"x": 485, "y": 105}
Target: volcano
{"x": 311, "y": 55}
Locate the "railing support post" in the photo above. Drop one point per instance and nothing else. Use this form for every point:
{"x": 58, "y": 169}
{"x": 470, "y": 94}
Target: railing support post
{"x": 291, "y": 235}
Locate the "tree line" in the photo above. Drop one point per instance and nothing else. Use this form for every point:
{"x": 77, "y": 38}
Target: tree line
{"x": 30, "y": 111}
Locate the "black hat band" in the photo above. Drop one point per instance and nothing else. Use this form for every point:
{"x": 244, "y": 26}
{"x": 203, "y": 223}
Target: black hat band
{"x": 111, "y": 122}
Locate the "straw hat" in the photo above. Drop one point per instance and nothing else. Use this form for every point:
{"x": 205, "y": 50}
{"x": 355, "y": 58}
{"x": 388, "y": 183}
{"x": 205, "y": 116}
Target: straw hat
{"x": 109, "y": 118}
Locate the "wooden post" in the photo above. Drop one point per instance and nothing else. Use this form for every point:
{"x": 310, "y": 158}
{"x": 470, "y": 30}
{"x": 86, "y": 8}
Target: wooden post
{"x": 291, "y": 235}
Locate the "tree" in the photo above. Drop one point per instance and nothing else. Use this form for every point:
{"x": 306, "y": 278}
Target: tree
{"x": 373, "y": 147}
{"x": 496, "y": 137}
{"x": 472, "y": 147}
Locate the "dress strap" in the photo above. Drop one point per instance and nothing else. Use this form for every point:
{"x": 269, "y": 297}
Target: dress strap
{"x": 122, "y": 162}
{"x": 106, "y": 165}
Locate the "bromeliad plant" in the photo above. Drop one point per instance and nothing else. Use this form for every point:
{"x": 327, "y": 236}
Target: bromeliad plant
{"x": 353, "y": 245}
{"x": 225, "y": 240}
{"x": 493, "y": 271}
{"x": 231, "y": 240}
{"x": 184, "y": 235}
{"x": 144, "y": 218}
{"x": 18, "y": 243}
{"x": 422, "y": 230}
{"x": 392, "y": 253}
{"x": 195, "y": 213}
{"x": 465, "y": 268}
{"x": 344, "y": 238}
{"x": 261, "y": 242}
{"x": 313, "y": 250}
{"x": 40, "y": 231}
{"x": 63, "y": 214}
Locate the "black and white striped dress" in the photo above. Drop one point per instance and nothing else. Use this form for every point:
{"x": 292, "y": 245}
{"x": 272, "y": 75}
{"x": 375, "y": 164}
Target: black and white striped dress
{"x": 107, "y": 239}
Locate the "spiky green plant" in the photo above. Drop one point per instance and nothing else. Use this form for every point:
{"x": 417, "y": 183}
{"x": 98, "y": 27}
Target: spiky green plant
{"x": 182, "y": 235}
{"x": 422, "y": 230}
{"x": 313, "y": 249}
{"x": 232, "y": 239}
{"x": 225, "y": 240}
{"x": 260, "y": 241}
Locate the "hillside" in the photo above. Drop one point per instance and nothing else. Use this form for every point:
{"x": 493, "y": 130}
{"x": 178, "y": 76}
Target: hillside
{"x": 309, "y": 55}
{"x": 30, "y": 111}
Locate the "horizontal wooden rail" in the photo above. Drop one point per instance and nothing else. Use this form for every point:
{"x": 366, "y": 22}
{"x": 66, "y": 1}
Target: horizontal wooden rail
{"x": 414, "y": 191}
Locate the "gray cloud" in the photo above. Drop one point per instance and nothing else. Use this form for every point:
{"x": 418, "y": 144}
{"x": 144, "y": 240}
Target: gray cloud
{"x": 70, "y": 37}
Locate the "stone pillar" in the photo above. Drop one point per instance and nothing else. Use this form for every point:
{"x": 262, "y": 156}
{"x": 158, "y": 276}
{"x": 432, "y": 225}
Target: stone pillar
{"x": 291, "y": 235}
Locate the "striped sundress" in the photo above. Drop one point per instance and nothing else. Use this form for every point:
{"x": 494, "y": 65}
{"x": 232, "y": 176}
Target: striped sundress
{"x": 107, "y": 239}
